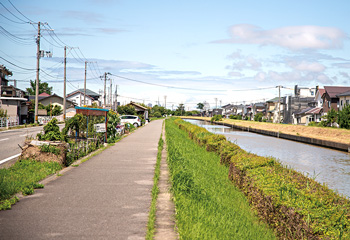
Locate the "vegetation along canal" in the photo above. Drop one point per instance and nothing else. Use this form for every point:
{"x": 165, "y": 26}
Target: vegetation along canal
{"x": 325, "y": 165}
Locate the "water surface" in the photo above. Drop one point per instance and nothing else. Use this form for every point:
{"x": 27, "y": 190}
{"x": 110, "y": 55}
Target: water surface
{"x": 327, "y": 166}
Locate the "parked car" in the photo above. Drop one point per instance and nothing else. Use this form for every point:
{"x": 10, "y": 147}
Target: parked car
{"x": 132, "y": 119}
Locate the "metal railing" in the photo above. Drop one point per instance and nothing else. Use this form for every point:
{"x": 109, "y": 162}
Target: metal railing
{"x": 6, "y": 122}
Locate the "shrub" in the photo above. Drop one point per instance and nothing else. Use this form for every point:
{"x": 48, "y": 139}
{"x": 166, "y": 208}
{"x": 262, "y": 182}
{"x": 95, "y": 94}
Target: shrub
{"x": 216, "y": 118}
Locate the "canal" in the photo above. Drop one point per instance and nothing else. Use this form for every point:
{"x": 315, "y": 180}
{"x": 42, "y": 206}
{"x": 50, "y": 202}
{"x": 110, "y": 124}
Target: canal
{"x": 324, "y": 165}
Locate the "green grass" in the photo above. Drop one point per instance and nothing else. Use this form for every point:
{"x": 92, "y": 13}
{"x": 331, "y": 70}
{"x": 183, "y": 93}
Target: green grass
{"x": 208, "y": 205}
{"x": 155, "y": 192}
{"x": 23, "y": 177}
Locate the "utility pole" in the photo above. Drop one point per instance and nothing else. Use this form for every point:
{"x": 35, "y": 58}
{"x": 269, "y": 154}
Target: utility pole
{"x": 85, "y": 85}
{"x": 110, "y": 92}
{"x": 64, "y": 84}
{"x": 165, "y": 101}
{"x": 37, "y": 74}
{"x": 116, "y": 98}
{"x": 216, "y": 102}
{"x": 104, "y": 91}
{"x": 279, "y": 102}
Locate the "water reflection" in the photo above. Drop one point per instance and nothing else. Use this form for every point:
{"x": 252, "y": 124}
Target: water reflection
{"x": 326, "y": 165}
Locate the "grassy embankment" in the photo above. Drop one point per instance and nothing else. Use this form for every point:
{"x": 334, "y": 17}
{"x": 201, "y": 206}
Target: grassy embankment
{"x": 23, "y": 177}
{"x": 208, "y": 205}
{"x": 322, "y": 133}
{"x": 294, "y": 205}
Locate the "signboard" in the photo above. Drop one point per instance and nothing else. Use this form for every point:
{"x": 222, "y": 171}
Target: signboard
{"x": 100, "y": 127}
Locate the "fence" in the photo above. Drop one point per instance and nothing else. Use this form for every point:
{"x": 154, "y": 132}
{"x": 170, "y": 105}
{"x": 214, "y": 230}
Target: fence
{"x": 82, "y": 147}
{"x": 9, "y": 122}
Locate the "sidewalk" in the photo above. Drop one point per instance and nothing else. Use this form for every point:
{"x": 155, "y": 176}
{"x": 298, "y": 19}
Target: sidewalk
{"x": 107, "y": 197}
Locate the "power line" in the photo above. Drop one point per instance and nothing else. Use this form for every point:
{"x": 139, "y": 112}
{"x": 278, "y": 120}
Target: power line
{"x": 28, "y": 69}
{"x": 20, "y": 11}
{"x": 193, "y": 89}
{"x": 12, "y": 20}
{"x": 13, "y": 14}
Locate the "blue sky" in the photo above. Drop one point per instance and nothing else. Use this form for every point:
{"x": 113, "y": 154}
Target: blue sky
{"x": 233, "y": 51}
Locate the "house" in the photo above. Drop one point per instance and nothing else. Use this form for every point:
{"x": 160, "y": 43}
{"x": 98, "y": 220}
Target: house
{"x": 78, "y": 97}
{"x": 344, "y": 99}
{"x": 295, "y": 104}
{"x": 140, "y": 110}
{"x": 258, "y": 108}
{"x": 272, "y": 109}
{"x": 228, "y": 110}
{"x": 331, "y": 97}
{"x": 305, "y": 116}
{"x": 304, "y": 91}
{"x": 11, "y": 98}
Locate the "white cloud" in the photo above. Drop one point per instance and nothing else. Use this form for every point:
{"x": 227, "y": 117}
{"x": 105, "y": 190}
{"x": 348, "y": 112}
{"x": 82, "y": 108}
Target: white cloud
{"x": 307, "y": 66}
{"x": 235, "y": 74}
{"x": 290, "y": 37}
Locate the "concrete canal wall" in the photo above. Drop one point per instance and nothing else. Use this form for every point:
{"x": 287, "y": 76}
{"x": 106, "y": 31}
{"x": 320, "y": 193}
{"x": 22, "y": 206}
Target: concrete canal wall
{"x": 313, "y": 141}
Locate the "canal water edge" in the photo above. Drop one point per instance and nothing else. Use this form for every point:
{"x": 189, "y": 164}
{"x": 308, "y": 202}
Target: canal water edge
{"x": 312, "y": 141}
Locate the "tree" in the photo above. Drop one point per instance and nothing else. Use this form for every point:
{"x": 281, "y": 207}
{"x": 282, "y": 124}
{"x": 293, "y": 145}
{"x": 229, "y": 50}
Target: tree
{"x": 126, "y": 110}
{"x": 344, "y": 117}
{"x": 331, "y": 117}
{"x": 200, "y": 106}
{"x": 43, "y": 87}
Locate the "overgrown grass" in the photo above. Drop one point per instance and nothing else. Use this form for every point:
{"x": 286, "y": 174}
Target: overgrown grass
{"x": 208, "y": 205}
{"x": 23, "y": 177}
{"x": 155, "y": 192}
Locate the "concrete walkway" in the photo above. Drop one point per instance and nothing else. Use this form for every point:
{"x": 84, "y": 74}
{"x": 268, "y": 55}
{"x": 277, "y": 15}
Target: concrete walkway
{"x": 107, "y": 197}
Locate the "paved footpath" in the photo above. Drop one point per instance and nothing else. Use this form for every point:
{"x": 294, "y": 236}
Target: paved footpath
{"x": 107, "y": 197}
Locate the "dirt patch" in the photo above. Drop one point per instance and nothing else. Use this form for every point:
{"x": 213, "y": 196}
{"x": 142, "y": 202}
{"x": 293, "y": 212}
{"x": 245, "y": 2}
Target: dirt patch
{"x": 33, "y": 151}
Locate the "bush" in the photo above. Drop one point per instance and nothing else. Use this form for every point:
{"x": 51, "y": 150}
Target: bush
{"x": 237, "y": 117}
{"x": 258, "y": 117}
{"x": 51, "y": 131}
{"x": 216, "y": 118}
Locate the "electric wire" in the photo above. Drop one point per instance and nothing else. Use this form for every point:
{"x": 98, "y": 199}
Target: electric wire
{"x": 12, "y": 13}
{"x": 28, "y": 69}
{"x": 12, "y": 20}
{"x": 20, "y": 11}
{"x": 192, "y": 89}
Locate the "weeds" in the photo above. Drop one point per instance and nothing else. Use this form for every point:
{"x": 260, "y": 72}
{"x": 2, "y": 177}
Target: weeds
{"x": 155, "y": 191}
{"x": 23, "y": 177}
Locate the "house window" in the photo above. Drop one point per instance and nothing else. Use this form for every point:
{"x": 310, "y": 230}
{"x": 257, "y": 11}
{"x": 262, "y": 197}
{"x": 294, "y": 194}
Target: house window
{"x": 341, "y": 102}
{"x": 329, "y": 104}
{"x": 347, "y": 102}
{"x": 312, "y": 93}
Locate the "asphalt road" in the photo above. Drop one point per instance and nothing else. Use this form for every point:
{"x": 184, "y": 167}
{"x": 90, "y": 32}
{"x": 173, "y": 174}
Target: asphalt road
{"x": 106, "y": 197}
{"x": 9, "y": 141}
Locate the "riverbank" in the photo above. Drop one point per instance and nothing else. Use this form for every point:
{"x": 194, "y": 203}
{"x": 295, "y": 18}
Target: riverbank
{"x": 208, "y": 206}
{"x": 326, "y": 137}
{"x": 297, "y": 207}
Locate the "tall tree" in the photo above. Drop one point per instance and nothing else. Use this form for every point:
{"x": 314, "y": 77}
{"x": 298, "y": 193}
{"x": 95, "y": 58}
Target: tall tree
{"x": 200, "y": 106}
{"x": 43, "y": 87}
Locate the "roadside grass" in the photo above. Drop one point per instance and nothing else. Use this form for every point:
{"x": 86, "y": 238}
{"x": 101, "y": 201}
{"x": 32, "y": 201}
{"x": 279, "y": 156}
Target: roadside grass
{"x": 23, "y": 177}
{"x": 208, "y": 205}
{"x": 155, "y": 191}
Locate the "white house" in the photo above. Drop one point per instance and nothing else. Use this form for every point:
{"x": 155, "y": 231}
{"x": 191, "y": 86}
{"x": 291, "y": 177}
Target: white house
{"x": 78, "y": 98}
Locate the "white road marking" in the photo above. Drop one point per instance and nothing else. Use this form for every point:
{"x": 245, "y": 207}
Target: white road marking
{"x": 9, "y": 158}
{"x": 4, "y": 139}
{"x": 23, "y": 135}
